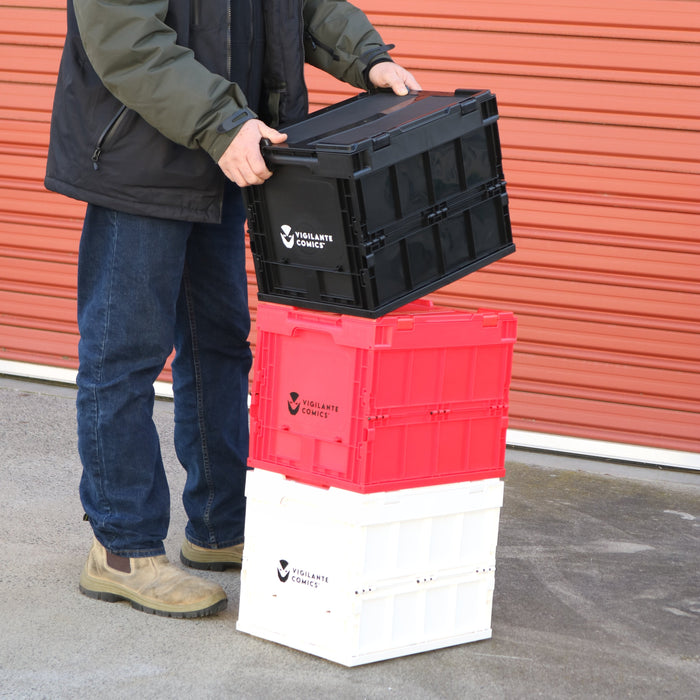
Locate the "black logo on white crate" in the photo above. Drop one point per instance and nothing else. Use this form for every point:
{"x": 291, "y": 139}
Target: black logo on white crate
{"x": 287, "y": 573}
{"x": 283, "y": 570}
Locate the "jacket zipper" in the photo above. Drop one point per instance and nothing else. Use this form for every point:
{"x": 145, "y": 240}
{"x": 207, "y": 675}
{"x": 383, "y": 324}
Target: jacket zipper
{"x": 251, "y": 32}
{"x": 104, "y": 136}
{"x": 229, "y": 58}
{"x": 315, "y": 43}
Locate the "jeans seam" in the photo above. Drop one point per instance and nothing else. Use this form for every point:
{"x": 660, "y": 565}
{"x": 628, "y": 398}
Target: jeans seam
{"x": 199, "y": 396}
{"x": 100, "y": 371}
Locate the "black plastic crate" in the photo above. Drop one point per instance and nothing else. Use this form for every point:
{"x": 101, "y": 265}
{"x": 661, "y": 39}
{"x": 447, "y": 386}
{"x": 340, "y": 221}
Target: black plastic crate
{"x": 379, "y": 200}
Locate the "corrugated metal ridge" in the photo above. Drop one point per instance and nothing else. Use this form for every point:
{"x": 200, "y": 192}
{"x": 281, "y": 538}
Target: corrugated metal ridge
{"x": 602, "y": 264}
{"x": 606, "y": 421}
{"x": 584, "y": 184}
{"x": 673, "y": 150}
{"x": 561, "y": 57}
{"x": 568, "y": 299}
{"x": 562, "y": 99}
{"x": 633, "y": 227}
{"x": 674, "y": 20}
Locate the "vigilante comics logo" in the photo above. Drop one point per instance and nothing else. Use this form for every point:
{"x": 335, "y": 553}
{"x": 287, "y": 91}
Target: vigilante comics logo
{"x": 283, "y": 570}
{"x": 309, "y": 407}
{"x": 303, "y": 239}
{"x": 287, "y": 236}
{"x": 311, "y": 579}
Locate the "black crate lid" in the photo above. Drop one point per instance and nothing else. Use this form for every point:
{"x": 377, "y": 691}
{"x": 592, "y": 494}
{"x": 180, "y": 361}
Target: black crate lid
{"x": 364, "y": 121}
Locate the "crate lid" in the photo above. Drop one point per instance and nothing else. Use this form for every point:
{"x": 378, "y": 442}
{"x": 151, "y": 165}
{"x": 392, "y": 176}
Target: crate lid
{"x": 418, "y": 324}
{"x": 371, "y": 120}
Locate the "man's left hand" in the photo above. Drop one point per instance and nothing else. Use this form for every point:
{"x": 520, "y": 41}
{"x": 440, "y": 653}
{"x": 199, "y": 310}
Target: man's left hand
{"x": 391, "y": 75}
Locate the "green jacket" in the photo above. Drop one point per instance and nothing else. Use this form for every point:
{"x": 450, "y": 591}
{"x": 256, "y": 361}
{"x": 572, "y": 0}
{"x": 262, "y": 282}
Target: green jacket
{"x": 144, "y": 108}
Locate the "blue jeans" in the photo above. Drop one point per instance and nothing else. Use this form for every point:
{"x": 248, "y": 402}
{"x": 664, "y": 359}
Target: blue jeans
{"x": 146, "y": 285}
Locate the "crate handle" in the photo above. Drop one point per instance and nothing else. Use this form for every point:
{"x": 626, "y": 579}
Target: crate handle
{"x": 282, "y": 159}
{"x": 279, "y": 159}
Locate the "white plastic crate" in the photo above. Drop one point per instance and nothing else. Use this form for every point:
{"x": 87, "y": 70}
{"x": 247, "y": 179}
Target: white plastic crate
{"x": 357, "y": 578}
{"x": 370, "y": 537}
{"x": 350, "y": 627}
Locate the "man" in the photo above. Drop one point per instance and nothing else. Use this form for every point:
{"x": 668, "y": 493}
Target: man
{"x": 159, "y": 111}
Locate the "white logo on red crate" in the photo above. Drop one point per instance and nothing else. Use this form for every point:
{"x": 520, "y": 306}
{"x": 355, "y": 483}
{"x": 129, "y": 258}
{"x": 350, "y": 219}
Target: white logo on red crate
{"x": 303, "y": 239}
{"x": 310, "y": 407}
{"x": 303, "y": 577}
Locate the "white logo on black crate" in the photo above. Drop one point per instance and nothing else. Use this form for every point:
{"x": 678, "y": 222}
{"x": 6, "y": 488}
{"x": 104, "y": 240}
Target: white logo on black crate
{"x": 287, "y": 573}
{"x": 287, "y": 236}
{"x": 303, "y": 239}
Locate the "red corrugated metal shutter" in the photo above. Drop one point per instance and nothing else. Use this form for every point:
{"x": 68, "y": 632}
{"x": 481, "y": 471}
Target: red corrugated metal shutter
{"x": 600, "y": 132}
{"x": 599, "y": 107}
{"x": 38, "y": 231}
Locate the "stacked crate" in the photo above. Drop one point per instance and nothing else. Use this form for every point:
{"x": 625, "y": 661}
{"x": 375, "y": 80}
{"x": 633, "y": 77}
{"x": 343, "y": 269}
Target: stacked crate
{"x": 378, "y": 420}
{"x": 379, "y": 200}
{"x": 373, "y": 507}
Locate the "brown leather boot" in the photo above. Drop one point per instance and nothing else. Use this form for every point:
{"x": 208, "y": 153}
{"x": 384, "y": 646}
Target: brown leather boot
{"x": 211, "y": 559}
{"x": 150, "y": 584}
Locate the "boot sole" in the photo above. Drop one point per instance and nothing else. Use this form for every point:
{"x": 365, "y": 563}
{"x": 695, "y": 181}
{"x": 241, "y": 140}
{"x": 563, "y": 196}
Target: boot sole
{"x": 209, "y": 565}
{"x": 111, "y": 597}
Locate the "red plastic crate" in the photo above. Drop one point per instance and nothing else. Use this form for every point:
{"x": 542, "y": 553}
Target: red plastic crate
{"x": 414, "y": 398}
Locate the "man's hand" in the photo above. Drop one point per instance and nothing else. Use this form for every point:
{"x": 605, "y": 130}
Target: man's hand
{"x": 391, "y": 75}
{"x": 242, "y": 161}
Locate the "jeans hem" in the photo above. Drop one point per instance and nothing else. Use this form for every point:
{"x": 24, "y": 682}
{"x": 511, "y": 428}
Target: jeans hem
{"x": 134, "y": 553}
{"x": 219, "y": 545}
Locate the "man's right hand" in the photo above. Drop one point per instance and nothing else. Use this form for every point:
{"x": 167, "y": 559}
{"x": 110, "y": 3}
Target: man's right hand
{"x": 242, "y": 161}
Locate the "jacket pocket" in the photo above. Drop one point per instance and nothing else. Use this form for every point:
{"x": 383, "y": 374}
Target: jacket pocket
{"x": 108, "y": 135}
{"x": 314, "y": 42}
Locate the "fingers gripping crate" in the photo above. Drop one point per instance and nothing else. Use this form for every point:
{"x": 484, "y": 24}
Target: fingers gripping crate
{"x": 378, "y": 200}
{"x": 417, "y": 397}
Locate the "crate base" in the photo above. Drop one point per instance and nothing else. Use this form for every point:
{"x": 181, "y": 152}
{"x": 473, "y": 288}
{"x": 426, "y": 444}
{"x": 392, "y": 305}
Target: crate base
{"x": 316, "y": 301}
{"x": 360, "y": 627}
{"x": 313, "y": 476}
{"x": 356, "y": 578}
{"x": 254, "y": 630}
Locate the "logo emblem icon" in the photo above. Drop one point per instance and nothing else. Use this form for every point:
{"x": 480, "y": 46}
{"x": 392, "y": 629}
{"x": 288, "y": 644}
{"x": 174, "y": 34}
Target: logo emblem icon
{"x": 293, "y": 403}
{"x": 283, "y": 570}
{"x": 287, "y": 236}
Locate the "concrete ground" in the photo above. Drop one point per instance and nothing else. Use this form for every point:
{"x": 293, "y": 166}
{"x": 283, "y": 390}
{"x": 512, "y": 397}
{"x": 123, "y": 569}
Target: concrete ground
{"x": 597, "y": 590}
